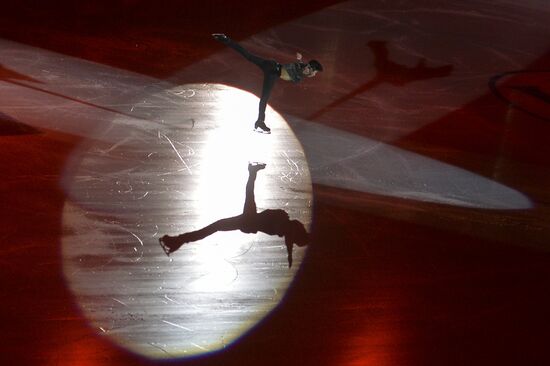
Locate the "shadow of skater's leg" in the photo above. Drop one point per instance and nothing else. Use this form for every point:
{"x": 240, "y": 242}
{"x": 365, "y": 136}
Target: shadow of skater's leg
{"x": 250, "y": 201}
{"x": 172, "y": 243}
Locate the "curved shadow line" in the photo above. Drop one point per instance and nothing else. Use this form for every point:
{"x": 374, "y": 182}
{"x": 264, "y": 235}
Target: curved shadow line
{"x": 10, "y": 75}
{"x": 77, "y": 100}
{"x": 11, "y": 127}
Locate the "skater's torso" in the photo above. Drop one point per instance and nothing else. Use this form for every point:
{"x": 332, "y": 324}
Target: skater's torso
{"x": 293, "y": 72}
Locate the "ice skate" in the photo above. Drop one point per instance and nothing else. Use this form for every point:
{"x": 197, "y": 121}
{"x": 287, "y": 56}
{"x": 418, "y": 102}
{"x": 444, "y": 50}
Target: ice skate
{"x": 261, "y": 127}
{"x": 254, "y": 167}
{"x": 220, "y": 37}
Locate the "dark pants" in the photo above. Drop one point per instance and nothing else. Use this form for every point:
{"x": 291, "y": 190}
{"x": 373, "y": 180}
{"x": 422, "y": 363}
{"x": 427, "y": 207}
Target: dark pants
{"x": 271, "y": 70}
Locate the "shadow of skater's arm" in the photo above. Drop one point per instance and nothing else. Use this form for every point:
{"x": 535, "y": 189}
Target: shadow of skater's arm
{"x": 289, "y": 244}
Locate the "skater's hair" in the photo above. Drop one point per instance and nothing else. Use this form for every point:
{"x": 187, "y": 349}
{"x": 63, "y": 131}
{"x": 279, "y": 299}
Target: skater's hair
{"x": 315, "y": 65}
{"x": 297, "y": 233}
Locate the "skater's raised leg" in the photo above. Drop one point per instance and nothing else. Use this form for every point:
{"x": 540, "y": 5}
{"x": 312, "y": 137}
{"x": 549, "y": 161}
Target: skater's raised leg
{"x": 257, "y": 60}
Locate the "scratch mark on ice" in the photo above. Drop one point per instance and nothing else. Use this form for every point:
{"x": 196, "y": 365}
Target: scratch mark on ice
{"x": 199, "y": 347}
{"x": 120, "y": 302}
{"x": 170, "y": 299}
{"x": 137, "y": 237}
{"x": 178, "y": 326}
{"x": 142, "y": 197}
{"x": 178, "y": 154}
{"x": 160, "y": 348}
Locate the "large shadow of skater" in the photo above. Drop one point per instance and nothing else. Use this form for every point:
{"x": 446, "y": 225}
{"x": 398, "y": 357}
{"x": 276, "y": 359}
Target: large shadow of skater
{"x": 390, "y": 72}
{"x": 270, "y": 221}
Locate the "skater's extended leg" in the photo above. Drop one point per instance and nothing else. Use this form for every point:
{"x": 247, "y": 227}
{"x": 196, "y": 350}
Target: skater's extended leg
{"x": 257, "y": 60}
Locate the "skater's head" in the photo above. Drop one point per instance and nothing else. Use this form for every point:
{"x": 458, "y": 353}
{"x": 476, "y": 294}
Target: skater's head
{"x": 296, "y": 233}
{"x": 312, "y": 67}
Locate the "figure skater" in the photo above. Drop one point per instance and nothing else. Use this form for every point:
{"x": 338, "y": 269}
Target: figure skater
{"x": 272, "y": 71}
{"x": 272, "y": 222}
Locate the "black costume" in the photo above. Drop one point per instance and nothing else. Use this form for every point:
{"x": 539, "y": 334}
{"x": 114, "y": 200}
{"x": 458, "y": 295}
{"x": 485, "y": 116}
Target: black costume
{"x": 271, "y": 70}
